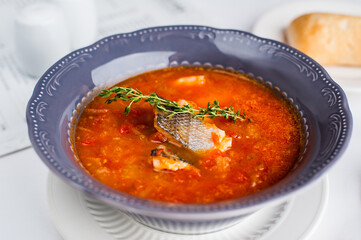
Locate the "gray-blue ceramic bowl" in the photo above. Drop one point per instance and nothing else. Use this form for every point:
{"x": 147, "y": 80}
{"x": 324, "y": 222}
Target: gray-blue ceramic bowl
{"x": 70, "y": 83}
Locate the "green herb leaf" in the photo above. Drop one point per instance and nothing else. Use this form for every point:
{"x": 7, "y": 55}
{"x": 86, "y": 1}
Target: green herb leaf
{"x": 172, "y": 107}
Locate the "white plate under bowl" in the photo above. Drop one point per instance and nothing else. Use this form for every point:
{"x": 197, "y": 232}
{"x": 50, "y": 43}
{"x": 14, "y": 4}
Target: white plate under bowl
{"x": 77, "y": 216}
{"x": 273, "y": 23}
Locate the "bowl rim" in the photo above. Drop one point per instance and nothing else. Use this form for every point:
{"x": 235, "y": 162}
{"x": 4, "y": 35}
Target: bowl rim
{"x": 134, "y": 204}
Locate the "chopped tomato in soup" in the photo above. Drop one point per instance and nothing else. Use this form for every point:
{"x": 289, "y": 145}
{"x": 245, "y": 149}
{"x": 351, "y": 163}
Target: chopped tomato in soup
{"x": 116, "y": 149}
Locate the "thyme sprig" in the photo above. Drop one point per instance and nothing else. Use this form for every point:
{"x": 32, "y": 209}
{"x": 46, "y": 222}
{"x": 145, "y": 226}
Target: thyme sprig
{"x": 172, "y": 107}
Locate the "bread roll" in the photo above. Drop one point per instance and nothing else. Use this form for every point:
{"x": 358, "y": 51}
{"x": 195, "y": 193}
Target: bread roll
{"x": 330, "y": 39}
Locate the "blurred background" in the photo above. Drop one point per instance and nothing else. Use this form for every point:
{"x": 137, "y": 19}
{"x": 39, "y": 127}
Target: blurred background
{"x": 34, "y": 34}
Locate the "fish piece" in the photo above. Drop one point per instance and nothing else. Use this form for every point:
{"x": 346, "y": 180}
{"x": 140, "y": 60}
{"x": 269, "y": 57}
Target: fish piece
{"x": 196, "y": 80}
{"x": 165, "y": 159}
{"x": 192, "y": 133}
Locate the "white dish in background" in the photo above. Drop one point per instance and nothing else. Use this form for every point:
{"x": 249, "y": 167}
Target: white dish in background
{"x": 79, "y": 217}
{"x": 273, "y": 23}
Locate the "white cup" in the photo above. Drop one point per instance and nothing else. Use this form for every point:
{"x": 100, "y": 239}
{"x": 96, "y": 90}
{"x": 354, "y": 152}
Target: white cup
{"x": 81, "y": 18}
{"x": 41, "y": 37}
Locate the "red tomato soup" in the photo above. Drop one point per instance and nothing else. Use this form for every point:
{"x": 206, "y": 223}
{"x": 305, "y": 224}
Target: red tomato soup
{"x": 115, "y": 148}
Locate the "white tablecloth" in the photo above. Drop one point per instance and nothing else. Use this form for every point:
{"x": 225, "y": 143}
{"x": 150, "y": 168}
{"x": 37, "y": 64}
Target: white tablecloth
{"x": 23, "y": 177}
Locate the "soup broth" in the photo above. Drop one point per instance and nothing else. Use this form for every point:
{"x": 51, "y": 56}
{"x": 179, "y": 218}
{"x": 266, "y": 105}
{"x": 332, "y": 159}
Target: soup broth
{"x": 115, "y": 148}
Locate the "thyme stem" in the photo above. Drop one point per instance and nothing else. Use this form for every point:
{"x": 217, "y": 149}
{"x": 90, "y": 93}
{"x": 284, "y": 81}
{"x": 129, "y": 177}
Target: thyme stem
{"x": 172, "y": 107}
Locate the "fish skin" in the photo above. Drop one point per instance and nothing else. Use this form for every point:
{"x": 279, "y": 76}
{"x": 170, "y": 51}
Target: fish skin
{"x": 187, "y": 131}
{"x": 164, "y": 159}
